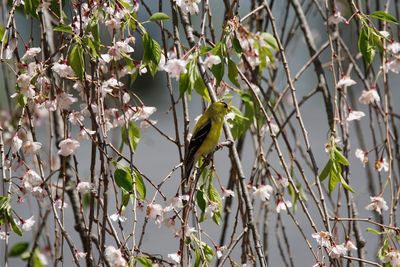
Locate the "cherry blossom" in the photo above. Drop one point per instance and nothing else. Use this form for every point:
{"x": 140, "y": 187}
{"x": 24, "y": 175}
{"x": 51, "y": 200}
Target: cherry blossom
{"x": 80, "y": 255}
{"x": 117, "y": 216}
{"x": 227, "y": 193}
{"x": 382, "y": 164}
{"x": 337, "y": 251}
{"x": 337, "y": 18}
{"x": 176, "y": 257}
{"x": 323, "y": 238}
{"x": 68, "y": 147}
{"x": 212, "y": 60}
{"x": 16, "y": 143}
{"x": 84, "y": 187}
{"x": 63, "y": 70}
{"x": 30, "y": 147}
{"x": 175, "y": 67}
{"x": 393, "y": 257}
{"x": 282, "y": 181}
{"x": 155, "y": 212}
{"x": 32, "y": 181}
{"x": 263, "y": 192}
{"x": 283, "y": 205}
{"x": 355, "y": 115}
{"x": 31, "y": 53}
{"x": 176, "y": 203}
{"x": 345, "y": 81}
{"x": 362, "y": 156}
{"x": 27, "y": 224}
{"x": 350, "y": 245}
{"x": 369, "y": 97}
{"x": 377, "y": 204}
{"x": 114, "y": 257}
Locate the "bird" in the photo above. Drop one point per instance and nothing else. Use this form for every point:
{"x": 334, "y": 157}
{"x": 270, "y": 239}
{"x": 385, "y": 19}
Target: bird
{"x": 205, "y": 135}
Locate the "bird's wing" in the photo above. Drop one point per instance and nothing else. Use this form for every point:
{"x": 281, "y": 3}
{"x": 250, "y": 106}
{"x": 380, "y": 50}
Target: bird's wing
{"x": 199, "y": 135}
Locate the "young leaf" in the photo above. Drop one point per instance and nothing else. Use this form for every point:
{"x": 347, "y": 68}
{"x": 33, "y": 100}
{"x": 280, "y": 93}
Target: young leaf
{"x": 333, "y": 180}
{"x": 340, "y": 158}
{"x": 214, "y": 196}
{"x": 236, "y": 45}
{"x": 133, "y": 132}
{"x": 63, "y": 28}
{"x": 159, "y": 16}
{"x": 382, "y": 15}
{"x": 152, "y": 53}
{"x": 218, "y": 72}
{"x": 2, "y": 33}
{"x": 327, "y": 169}
{"x": 123, "y": 179}
{"x": 144, "y": 261}
{"x": 76, "y": 60}
{"x": 201, "y": 88}
{"x": 18, "y": 249}
{"x": 366, "y": 44}
{"x": 345, "y": 184}
{"x": 233, "y": 72}
{"x": 374, "y": 231}
{"x": 140, "y": 186}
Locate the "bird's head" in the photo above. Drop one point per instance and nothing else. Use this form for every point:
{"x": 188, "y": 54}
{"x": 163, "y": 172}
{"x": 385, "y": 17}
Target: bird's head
{"x": 221, "y": 107}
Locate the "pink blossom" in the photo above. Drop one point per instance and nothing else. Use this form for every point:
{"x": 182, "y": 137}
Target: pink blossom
{"x": 362, "y": 156}
{"x": 355, "y": 115}
{"x": 30, "y": 147}
{"x": 263, "y": 192}
{"x": 175, "y": 67}
{"x": 369, "y": 97}
{"x": 377, "y": 204}
{"x": 68, "y": 147}
{"x": 345, "y": 81}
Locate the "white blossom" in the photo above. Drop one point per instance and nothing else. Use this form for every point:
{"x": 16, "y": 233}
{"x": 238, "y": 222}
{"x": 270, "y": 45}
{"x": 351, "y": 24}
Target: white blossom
{"x": 155, "y": 212}
{"x": 31, "y": 180}
{"x": 64, "y": 100}
{"x": 337, "y": 251}
{"x": 143, "y": 112}
{"x": 355, "y": 115}
{"x": 176, "y": 203}
{"x": 323, "y": 238}
{"x": 393, "y": 66}
{"x": 68, "y": 147}
{"x": 80, "y": 255}
{"x": 175, "y": 67}
{"x": 350, "y": 245}
{"x": 114, "y": 257}
{"x": 282, "y": 181}
{"x": 382, "y": 164}
{"x": 84, "y": 134}
{"x": 393, "y": 257}
{"x": 283, "y": 205}
{"x": 63, "y": 70}
{"x": 30, "y": 147}
{"x": 394, "y": 48}
{"x": 27, "y": 224}
{"x": 31, "y": 53}
{"x": 117, "y": 216}
{"x": 263, "y": 192}
{"x": 212, "y": 60}
{"x": 369, "y": 97}
{"x": 362, "y": 156}
{"x": 84, "y": 187}
{"x": 60, "y": 204}
{"x": 176, "y": 257}
{"x": 377, "y": 204}
{"x": 345, "y": 81}
{"x": 16, "y": 143}
{"x": 227, "y": 193}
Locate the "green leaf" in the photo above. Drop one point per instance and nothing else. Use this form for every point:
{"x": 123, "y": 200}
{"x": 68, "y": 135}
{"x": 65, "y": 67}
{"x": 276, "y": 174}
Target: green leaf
{"x": 213, "y": 196}
{"x": 201, "y": 201}
{"x": 218, "y": 71}
{"x": 144, "y": 261}
{"x": 159, "y": 16}
{"x": 123, "y": 179}
{"x": 374, "y": 231}
{"x": 31, "y": 7}
{"x": 384, "y": 16}
{"x": 131, "y": 136}
{"x": 270, "y": 40}
{"x": 208, "y": 252}
{"x": 345, "y": 184}
{"x": 63, "y": 28}
{"x": 18, "y": 249}
{"x": 140, "y": 186}
{"x": 201, "y": 88}
{"x": 333, "y": 181}
{"x": 152, "y": 53}
{"x": 233, "y": 72}
{"x": 236, "y": 45}
{"x": 125, "y": 199}
{"x": 366, "y": 45}
{"x": 184, "y": 84}
{"x": 36, "y": 262}
{"x": 76, "y": 60}
{"x": 95, "y": 31}
{"x": 197, "y": 260}
{"x": 14, "y": 226}
{"x": 339, "y": 157}
{"x": 327, "y": 169}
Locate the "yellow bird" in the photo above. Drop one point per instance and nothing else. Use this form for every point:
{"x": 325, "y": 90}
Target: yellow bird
{"x": 206, "y": 134}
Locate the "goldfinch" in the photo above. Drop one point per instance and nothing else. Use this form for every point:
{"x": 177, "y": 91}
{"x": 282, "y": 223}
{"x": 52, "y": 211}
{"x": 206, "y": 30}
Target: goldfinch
{"x": 206, "y": 134}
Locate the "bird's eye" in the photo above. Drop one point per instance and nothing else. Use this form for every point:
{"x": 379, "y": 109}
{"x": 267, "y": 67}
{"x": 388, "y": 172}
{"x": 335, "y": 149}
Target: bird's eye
{"x": 225, "y": 105}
